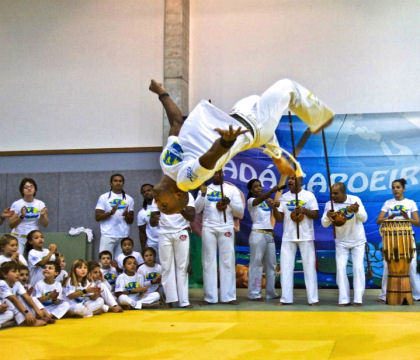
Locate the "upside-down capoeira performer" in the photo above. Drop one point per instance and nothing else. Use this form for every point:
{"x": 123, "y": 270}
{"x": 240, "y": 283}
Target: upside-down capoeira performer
{"x": 209, "y": 137}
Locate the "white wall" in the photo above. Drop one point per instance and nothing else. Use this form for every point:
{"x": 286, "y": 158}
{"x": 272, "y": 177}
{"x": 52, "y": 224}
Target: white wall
{"x": 74, "y": 74}
{"x": 358, "y": 56}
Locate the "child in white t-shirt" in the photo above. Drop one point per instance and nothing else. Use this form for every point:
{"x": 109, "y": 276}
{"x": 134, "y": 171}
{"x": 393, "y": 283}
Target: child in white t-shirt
{"x": 49, "y": 291}
{"x": 130, "y": 288}
{"x": 37, "y": 255}
{"x": 150, "y": 271}
{"x": 63, "y": 273}
{"x": 12, "y": 292}
{"x": 96, "y": 277}
{"x": 127, "y": 245}
{"x": 9, "y": 250}
{"x": 108, "y": 269}
{"x": 84, "y": 298}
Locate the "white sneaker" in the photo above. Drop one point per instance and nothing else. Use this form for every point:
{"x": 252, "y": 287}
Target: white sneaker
{"x": 138, "y": 305}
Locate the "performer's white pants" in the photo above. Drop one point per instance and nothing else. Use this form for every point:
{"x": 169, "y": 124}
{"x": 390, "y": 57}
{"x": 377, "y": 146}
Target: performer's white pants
{"x": 174, "y": 249}
{"x": 112, "y": 244}
{"x": 106, "y": 294}
{"x": 6, "y": 316}
{"x": 341, "y": 257}
{"x": 134, "y": 299}
{"x": 414, "y": 279}
{"x": 287, "y": 265}
{"x": 58, "y": 310}
{"x": 263, "y": 253}
{"x": 213, "y": 239}
{"x": 19, "y": 317}
{"x": 86, "y": 308}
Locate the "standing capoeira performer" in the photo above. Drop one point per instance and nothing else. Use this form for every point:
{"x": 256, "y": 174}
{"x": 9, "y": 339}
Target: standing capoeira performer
{"x": 350, "y": 238}
{"x": 218, "y": 233}
{"x": 209, "y": 137}
{"x": 305, "y": 209}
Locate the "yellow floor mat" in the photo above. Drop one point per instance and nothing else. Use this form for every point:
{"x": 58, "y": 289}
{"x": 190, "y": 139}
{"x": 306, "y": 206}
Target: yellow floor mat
{"x": 220, "y": 335}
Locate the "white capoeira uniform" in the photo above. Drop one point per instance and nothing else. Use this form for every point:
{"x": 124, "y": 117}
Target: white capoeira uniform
{"x": 106, "y": 293}
{"x": 218, "y": 234}
{"x": 174, "y": 251}
{"x": 393, "y": 206}
{"x": 58, "y": 309}
{"x": 148, "y": 274}
{"x": 110, "y": 275}
{"x": 263, "y": 252}
{"x": 152, "y": 232}
{"x": 82, "y": 305}
{"x": 11, "y": 311}
{"x": 35, "y": 271}
{"x": 290, "y": 243}
{"x": 29, "y": 222}
{"x": 128, "y": 282}
{"x": 349, "y": 239}
{"x": 115, "y": 228}
{"x": 260, "y": 114}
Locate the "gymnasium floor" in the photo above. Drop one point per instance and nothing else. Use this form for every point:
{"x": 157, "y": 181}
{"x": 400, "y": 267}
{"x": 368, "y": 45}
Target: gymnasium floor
{"x": 252, "y": 330}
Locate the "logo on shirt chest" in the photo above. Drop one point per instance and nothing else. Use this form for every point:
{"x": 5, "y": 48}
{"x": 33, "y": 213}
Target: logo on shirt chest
{"x": 152, "y": 275}
{"x": 132, "y": 285}
{"x": 291, "y": 205}
{"x": 349, "y": 215}
{"x": 263, "y": 206}
{"x": 110, "y": 277}
{"x": 396, "y": 210}
{"x": 173, "y": 154}
{"x": 31, "y": 212}
{"x": 120, "y": 202}
{"x": 214, "y": 196}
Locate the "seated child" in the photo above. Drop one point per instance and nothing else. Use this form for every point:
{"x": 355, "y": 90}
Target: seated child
{"x": 49, "y": 292}
{"x": 63, "y": 273}
{"x": 11, "y": 289}
{"x": 130, "y": 289}
{"x": 150, "y": 271}
{"x": 108, "y": 269}
{"x": 84, "y": 298}
{"x": 37, "y": 255}
{"x": 9, "y": 250}
{"x": 96, "y": 278}
{"x": 127, "y": 246}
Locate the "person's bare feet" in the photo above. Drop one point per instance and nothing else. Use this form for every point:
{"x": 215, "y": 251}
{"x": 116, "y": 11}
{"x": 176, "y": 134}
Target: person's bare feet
{"x": 156, "y": 87}
{"x": 115, "y": 309}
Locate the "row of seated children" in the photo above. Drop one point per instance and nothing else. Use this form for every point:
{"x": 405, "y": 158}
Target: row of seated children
{"x": 86, "y": 291}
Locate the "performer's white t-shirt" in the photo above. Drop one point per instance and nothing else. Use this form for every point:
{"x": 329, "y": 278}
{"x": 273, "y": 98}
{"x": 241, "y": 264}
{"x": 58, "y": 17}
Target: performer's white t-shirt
{"x": 173, "y": 223}
{"x": 152, "y": 232}
{"x": 393, "y": 206}
{"x": 148, "y": 274}
{"x": 260, "y": 215}
{"x": 115, "y": 225}
{"x": 306, "y": 227}
{"x": 4, "y": 258}
{"x": 43, "y": 289}
{"x": 35, "y": 271}
{"x": 207, "y": 204}
{"x": 128, "y": 282}
{"x": 31, "y": 219}
{"x": 6, "y": 290}
{"x": 352, "y": 233}
{"x": 180, "y": 157}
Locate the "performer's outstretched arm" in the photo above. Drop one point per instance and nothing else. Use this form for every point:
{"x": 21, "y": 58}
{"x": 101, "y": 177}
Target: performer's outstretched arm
{"x": 172, "y": 111}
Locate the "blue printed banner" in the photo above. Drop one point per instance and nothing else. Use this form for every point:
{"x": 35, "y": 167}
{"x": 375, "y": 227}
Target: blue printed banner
{"x": 366, "y": 152}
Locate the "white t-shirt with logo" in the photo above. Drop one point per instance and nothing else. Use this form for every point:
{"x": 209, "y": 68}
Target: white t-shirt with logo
{"x": 110, "y": 275}
{"x": 152, "y": 232}
{"x": 352, "y": 233}
{"x": 70, "y": 289}
{"x": 393, "y": 206}
{"x": 43, "y": 289}
{"x": 115, "y": 225}
{"x": 207, "y": 204}
{"x": 306, "y": 226}
{"x": 179, "y": 158}
{"x": 148, "y": 274}
{"x": 169, "y": 224}
{"x": 35, "y": 271}
{"x": 260, "y": 215}
{"x": 31, "y": 220}
{"x": 128, "y": 282}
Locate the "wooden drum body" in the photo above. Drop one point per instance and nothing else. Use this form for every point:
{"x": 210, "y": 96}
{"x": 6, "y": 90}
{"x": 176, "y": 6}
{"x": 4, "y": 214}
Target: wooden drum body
{"x": 398, "y": 251}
